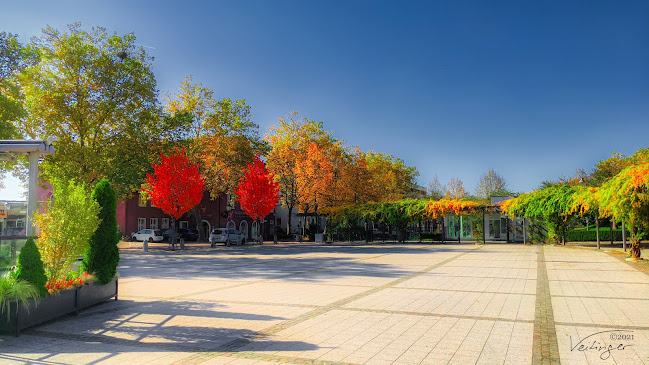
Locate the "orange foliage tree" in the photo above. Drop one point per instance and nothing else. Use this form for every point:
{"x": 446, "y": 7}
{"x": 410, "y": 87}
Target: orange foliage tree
{"x": 258, "y": 191}
{"x": 313, "y": 174}
{"x": 176, "y": 186}
{"x": 289, "y": 142}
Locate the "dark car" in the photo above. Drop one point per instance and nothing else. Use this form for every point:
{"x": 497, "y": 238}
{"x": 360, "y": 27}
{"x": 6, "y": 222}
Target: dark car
{"x": 188, "y": 234}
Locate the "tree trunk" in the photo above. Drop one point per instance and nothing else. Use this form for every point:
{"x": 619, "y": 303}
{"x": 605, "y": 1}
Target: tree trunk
{"x": 199, "y": 219}
{"x": 173, "y": 233}
{"x": 597, "y": 230}
{"x": 635, "y": 251}
{"x": 290, "y": 214}
{"x": 623, "y": 236}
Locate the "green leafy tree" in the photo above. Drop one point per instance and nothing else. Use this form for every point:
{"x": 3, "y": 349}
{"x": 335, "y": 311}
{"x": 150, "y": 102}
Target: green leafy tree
{"x": 553, "y": 203}
{"x": 96, "y": 92}
{"x": 14, "y": 57}
{"x": 626, "y": 197}
{"x": 102, "y": 255}
{"x": 395, "y": 214}
{"x": 390, "y": 178}
{"x": 29, "y": 267}
{"x": 70, "y": 219}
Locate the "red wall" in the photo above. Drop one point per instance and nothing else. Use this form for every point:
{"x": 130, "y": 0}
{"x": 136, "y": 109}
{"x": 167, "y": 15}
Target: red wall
{"x": 210, "y": 210}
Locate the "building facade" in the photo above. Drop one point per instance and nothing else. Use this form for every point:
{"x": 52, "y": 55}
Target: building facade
{"x": 139, "y": 213}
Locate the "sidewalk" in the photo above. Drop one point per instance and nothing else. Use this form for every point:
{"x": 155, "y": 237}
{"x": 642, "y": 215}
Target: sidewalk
{"x": 357, "y": 304}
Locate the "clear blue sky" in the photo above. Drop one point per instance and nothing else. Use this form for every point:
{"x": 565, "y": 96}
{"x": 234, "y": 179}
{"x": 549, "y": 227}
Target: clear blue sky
{"x": 534, "y": 90}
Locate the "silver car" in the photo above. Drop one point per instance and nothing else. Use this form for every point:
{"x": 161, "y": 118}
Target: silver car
{"x": 226, "y": 236}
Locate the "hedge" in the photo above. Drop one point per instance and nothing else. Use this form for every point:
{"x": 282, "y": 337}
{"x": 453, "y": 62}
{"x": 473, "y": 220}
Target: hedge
{"x": 583, "y": 236}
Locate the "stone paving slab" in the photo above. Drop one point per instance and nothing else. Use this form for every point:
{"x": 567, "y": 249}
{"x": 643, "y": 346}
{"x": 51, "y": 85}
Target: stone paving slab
{"x": 356, "y": 304}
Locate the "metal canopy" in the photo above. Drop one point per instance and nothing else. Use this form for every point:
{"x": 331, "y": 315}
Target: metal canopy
{"x": 34, "y": 149}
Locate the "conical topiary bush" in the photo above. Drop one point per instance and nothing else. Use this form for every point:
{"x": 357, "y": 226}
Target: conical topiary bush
{"x": 29, "y": 267}
{"x": 102, "y": 256}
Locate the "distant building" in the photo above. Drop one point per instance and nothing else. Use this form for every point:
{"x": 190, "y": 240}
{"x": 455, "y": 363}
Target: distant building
{"x": 13, "y": 217}
{"x": 138, "y": 213}
{"x": 497, "y": 227}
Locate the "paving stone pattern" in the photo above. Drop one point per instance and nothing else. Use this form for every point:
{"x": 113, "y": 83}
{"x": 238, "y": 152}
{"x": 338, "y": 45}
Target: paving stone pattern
{"x": 357, "y": 304}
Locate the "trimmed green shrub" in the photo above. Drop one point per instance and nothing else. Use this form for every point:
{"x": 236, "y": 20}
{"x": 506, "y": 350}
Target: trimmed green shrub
{"x": 29, "y": 267}
{"x": 102, "y": 256}
{"x": 584, "y": 236}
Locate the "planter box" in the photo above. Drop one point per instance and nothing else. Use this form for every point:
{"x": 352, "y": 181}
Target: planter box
{"x": 92, "y": 294}
{"x": 55, "y": 306}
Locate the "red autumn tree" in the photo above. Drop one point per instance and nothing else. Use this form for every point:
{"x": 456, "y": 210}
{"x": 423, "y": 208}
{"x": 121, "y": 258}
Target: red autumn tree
{"x": 176, "y": 186}
{"x": 258, "y": 191}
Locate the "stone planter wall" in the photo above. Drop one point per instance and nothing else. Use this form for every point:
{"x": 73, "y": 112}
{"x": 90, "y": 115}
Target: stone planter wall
{"x": 55, "y": 306}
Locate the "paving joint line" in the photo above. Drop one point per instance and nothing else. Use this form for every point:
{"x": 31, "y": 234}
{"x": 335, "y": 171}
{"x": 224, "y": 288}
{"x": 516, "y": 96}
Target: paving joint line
{"x": 467, "y": 291}
{"x": 597, "y": 297}
{"x": 596, "y": 325}
{"x": 545, "y": 346}
{"x": 426, "y": 314}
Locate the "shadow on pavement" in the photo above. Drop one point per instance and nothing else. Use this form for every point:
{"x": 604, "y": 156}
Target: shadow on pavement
{"x": 147, "y": 327}
{"x": 275, "y": 262}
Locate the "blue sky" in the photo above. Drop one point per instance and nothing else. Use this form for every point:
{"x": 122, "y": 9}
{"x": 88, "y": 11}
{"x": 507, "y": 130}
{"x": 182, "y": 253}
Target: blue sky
{"x": 534, "y": 90}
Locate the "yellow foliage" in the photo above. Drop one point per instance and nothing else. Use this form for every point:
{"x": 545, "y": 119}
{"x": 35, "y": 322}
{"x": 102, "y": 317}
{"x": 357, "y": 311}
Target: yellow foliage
{"x": 438, "y": 208}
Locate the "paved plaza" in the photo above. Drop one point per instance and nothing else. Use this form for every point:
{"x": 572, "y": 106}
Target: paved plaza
{"x": 357, "y": 304}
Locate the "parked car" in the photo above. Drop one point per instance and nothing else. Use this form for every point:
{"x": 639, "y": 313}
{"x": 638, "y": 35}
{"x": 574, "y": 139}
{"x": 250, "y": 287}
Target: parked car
{"x": 166, "y": 234}
{"x": 226, "y": 236}
{"x": 153, "y": 235}
{"x": 188, "y": 234}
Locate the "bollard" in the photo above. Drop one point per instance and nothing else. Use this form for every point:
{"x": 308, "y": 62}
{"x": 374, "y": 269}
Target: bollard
{"x": 275, "y": 238}
{"x": 182, "y": 243}
{"x": 145, "y": 246}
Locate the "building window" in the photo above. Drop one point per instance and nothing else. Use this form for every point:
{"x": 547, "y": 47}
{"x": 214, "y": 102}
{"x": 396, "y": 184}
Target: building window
{"x": 164, "y": 223}
{"x": 183, "y": 224}
{"x": 141, "y": 224}
{"x": 154, "y": 223}
{"x": 142, "y": 201}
